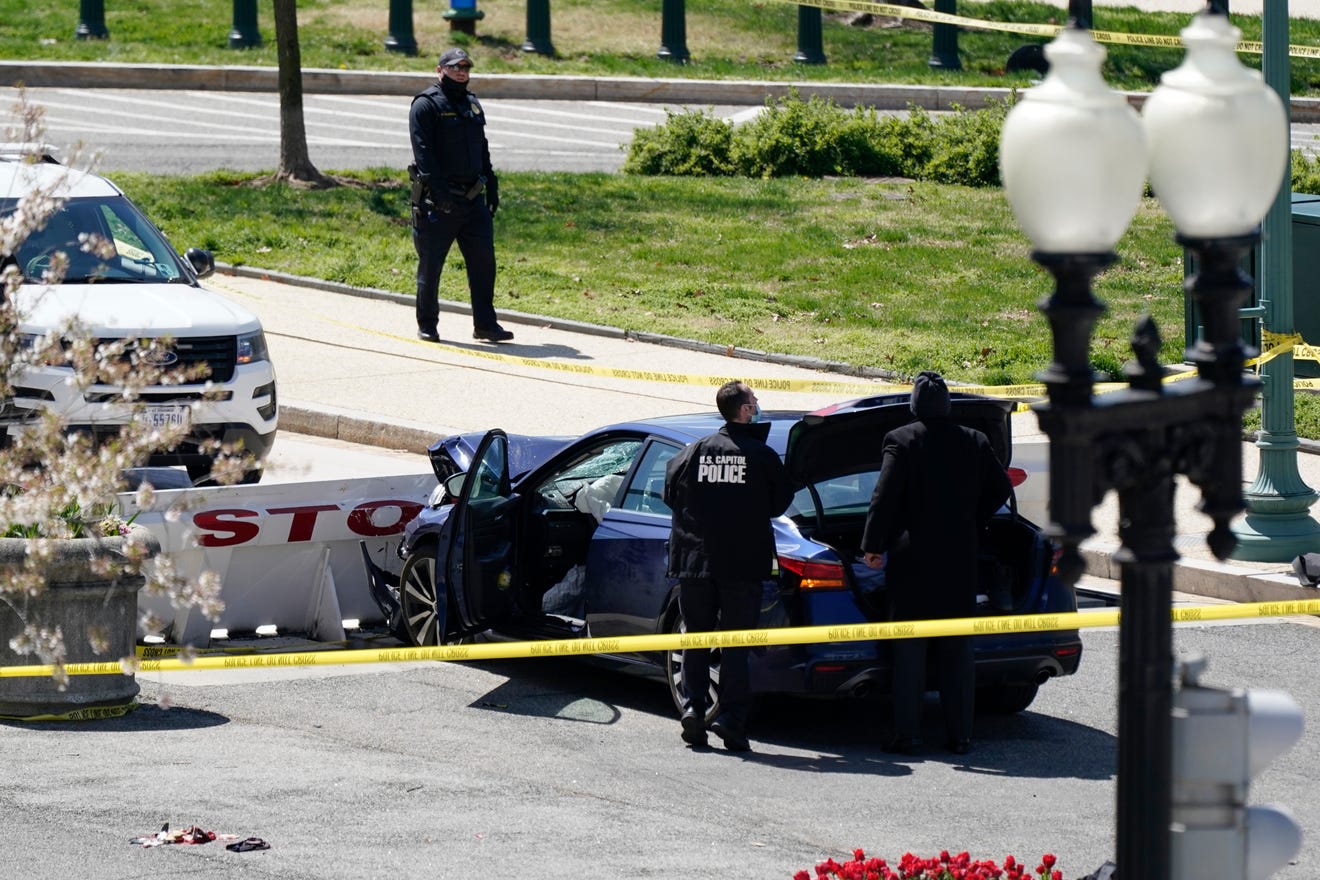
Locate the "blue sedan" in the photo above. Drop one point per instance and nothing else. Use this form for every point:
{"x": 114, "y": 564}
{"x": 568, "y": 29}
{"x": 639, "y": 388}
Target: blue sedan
{"x": 541, "y": 538}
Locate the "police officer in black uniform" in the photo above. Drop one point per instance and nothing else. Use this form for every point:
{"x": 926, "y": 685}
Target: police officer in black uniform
{"x": 454, "y": 196}
{"x": 723, "y": 490}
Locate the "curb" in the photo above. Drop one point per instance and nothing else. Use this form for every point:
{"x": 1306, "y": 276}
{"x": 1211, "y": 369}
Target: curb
{"x": 1209, "y": 578}
{"x": 881, "y": 96}
{"x": 320, "y": 421}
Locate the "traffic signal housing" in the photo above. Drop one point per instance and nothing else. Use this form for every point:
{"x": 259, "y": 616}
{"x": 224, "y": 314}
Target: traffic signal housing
{"x": 1222, "y": 738}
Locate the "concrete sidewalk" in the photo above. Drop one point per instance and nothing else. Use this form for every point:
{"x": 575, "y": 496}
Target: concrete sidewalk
{"x": 349, "y": 367}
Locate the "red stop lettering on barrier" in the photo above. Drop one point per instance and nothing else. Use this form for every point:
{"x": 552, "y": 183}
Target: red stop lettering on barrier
{"x": 217, "y": 521}
{"x": 228, "y": 530}
{"x": 304, "y": 519}
{"x": 359, "y": 520}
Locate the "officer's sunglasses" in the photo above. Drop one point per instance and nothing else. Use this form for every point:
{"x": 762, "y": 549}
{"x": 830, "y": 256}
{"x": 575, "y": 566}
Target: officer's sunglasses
{"x": 463, "y": 67}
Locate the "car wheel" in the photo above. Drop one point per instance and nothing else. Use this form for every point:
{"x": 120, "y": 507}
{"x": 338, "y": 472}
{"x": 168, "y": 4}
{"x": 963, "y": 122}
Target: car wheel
{"x": 1005, "y": 699}
{"x": 424, "y": 608}
{"x": 674, "y": 669}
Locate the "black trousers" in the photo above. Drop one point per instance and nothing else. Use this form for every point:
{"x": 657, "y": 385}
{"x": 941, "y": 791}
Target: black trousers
{"x": 709, "y": 605}
{"x": 468, "y": 223}
{"x": 955, "y": 676}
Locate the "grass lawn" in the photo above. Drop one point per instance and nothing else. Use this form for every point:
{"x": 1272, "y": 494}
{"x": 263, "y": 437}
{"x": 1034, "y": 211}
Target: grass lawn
{"x": 896, "y": 275}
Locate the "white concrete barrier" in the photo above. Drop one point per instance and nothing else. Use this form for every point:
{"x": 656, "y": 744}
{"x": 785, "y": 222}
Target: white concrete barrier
{"x": 288, "y": 554}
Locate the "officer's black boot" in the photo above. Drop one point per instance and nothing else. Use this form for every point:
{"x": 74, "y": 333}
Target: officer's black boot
{"x": 730, "y": 726}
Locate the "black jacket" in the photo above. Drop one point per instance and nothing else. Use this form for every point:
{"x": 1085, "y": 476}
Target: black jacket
{"x": 449, "y": 140}
{"x": 939, "y": 484}
{"x": 723, "y": 490}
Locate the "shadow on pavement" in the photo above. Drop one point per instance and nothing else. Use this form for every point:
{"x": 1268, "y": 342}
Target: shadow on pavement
{"x": 833, "y": 736}
{"x": 145, "y": 718}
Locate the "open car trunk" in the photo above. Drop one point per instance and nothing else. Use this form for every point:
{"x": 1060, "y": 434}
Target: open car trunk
{"x": 1013, "y": 559}
{"x": 836, "y": 455}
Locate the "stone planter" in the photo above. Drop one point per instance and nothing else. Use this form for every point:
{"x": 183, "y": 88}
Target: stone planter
{"x": 74, "y": 599}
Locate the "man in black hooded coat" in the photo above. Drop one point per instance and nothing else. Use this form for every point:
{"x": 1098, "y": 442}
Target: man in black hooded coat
{"x": 939, "y": 484}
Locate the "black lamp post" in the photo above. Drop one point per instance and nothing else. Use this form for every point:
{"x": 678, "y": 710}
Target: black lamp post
{"x": 1073, "y": 160}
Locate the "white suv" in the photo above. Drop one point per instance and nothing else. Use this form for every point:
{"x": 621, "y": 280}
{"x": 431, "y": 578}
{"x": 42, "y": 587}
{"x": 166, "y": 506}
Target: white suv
{"x": 145, "y": 290}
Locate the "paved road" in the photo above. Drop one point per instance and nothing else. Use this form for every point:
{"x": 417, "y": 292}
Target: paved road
{"x": 187, "y": 132}
{"x": 551, "y": 769}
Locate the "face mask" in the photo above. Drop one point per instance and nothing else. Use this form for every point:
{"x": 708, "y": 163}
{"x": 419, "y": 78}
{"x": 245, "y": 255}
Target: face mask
{"x": 756, "y": 416}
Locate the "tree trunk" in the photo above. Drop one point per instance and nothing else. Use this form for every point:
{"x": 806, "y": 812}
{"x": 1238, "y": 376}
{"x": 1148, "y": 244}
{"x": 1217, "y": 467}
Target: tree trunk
{"x": 295, "y": 161}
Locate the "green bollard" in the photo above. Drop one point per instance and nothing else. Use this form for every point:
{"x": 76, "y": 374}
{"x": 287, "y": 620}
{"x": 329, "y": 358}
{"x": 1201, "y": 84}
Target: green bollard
{"x": 245, "y": 34}
{"x": 538, "y": 28}
{"x": 401, "y": 37}
{"x": 673, "y": 32}
{"x": 91, "y": 21}
{"x": 944, "y": 43}
{"x": 810, "y": 49}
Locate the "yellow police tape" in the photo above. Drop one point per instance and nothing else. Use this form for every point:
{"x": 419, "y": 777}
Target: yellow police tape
{"x": 1036, "y": 30}
{"x": 968, "y": 626}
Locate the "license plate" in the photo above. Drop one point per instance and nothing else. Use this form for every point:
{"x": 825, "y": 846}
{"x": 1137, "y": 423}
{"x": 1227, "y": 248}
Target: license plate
{"x": 166, "y": 416}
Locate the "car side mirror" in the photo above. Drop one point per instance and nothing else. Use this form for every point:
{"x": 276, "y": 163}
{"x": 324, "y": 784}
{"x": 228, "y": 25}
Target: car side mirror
{"x": 454, "y": 485}
{"x": 202, "y": 261}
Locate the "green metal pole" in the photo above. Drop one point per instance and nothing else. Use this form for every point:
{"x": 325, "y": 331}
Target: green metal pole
{"x": 673, "y": 32}
{"x": 91, "y": 21}
{"x": 810, "y": 48}
{"x": 401, "y": 37}
{"x": 245, "y": 34}
{"x": 1278, "y": 525}
{"x": 538, "y": 28}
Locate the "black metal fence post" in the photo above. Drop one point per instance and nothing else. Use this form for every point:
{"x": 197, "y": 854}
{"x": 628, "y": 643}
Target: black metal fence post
{"x": 810, "y": 48}
{"x": 245, "y": 33}
{"x": 673, "y": 32}
{"x": 401, "y": 37}
{"x": 91, "y": 21}
{"x": 538, "y": 28}
{"x": 944, "y": 40}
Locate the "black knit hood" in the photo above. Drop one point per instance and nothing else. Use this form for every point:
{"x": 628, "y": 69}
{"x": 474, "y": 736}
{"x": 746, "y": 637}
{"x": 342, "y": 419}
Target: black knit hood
{"x": 930, "y": 396}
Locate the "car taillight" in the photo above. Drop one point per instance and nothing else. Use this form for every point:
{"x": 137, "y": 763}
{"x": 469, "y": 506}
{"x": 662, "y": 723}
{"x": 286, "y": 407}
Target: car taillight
{"x": 814, "y": 575}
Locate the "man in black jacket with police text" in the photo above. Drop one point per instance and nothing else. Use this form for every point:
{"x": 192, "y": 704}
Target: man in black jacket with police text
{"x": 454, "y": 197}
{"x": 723, "y": 490}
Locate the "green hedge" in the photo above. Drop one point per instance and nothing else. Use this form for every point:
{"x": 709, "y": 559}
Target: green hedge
{"x": 817, "y": 138}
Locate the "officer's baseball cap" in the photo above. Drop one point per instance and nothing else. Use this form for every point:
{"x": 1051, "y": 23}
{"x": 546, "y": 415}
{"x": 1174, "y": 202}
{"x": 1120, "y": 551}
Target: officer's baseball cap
{"x": 454, "y": 58}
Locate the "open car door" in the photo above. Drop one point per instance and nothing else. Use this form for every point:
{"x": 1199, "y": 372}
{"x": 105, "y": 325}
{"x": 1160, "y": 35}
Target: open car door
{"x": 480, "y": 557}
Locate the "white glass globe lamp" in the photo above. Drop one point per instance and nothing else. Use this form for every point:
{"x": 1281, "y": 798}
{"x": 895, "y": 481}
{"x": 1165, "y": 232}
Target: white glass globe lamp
{"x": 1217, "y": 136}
{"x": 1072, "y": 153}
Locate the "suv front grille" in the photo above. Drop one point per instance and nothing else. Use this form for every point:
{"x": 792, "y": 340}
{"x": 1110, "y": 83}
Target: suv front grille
{"x": 217, "y": 352}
